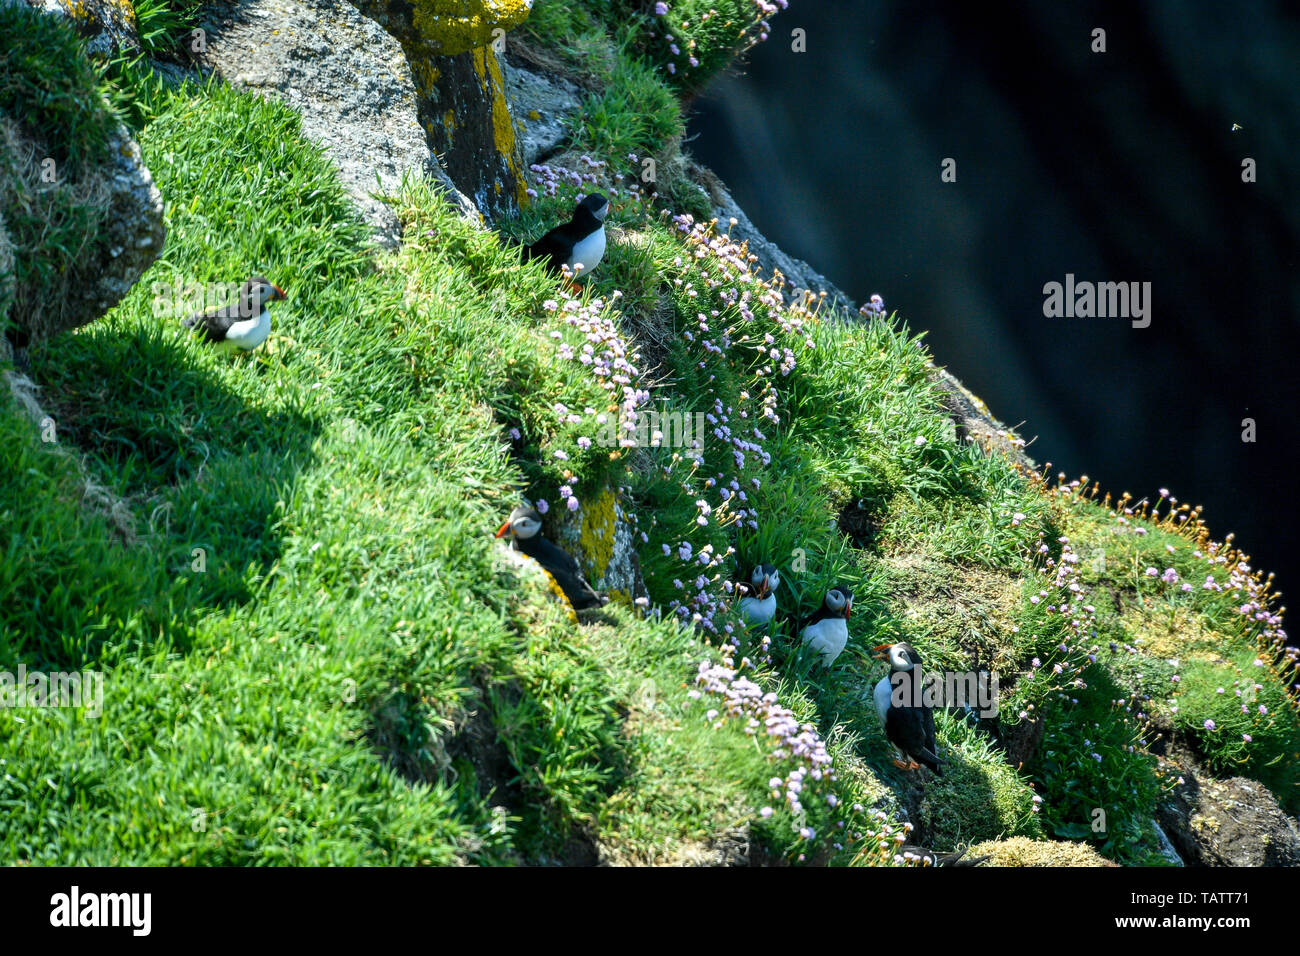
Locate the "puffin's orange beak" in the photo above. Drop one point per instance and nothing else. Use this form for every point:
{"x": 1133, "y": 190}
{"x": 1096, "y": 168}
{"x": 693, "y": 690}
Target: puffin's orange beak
{"x": 501, "y": 531}
{"x": 280, "y": 292}
{"x": 882, "y": 651}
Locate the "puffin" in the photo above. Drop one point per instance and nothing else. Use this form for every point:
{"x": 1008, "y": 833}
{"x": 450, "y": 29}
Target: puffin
{"x": 242, "y": 327}
{"x": 578, "y": 243}
{"x": 524, "y": 527}
{"x": 758, "y": 597}
{"x": 911, "y": 728}
{"x": 827, "y": 631}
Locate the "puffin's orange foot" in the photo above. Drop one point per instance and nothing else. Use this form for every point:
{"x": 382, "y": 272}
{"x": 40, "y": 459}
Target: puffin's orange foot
{"x": 903, "y": 766}
{"x": 913, "y": 765}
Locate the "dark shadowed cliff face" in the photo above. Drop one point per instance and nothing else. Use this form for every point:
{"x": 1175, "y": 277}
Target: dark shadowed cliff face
{"x": 1122, "y": 166}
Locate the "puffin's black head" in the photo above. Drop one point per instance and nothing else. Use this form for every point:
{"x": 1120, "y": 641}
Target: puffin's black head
{"x": 596, "y": 204}
{"x": 524, "y": 523}
{"x": 765, "y": 579}
{"x": 901, "y": 656}
{"x": 258, "y": 291}
{"x": 839, "y": 601}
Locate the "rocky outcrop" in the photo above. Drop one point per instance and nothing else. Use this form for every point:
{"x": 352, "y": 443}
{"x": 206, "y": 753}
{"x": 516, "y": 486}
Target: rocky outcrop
{"x": 123, "y": 232}
{"x": 600, "y": 535}
{"x": 1233, "y": 822}
{"x": 107, "y": 26}
{"x": 431, "y": 28}
{"x": 105, "y": 212}
{"x": 350, "y": 82}
{"x": 453, "y": 48}
{"x": 975, "y": 422}
{"x": 542, "y": 108}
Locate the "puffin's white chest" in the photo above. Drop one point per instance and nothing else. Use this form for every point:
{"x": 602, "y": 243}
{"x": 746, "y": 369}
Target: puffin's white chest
{"x": 756, "y": 611}
{"x": 828, "y": 636}
{"x": 588, "y": 252}
{"x": 882, "y": 695}
{"x": 248, "y": 333}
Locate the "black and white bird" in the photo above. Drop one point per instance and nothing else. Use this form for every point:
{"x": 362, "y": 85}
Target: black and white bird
{"x": 758, "y": 598}
{"x": 243, "y": 326}
{"x": 827, "y": 631}
{"x": 525, "y": 531}
{"x": 578, "y": 243}
{"x": 909, "y": 724}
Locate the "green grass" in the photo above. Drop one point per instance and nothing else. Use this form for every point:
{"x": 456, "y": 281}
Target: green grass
{"x": 163, "y": 25}
{"x": 350, "y": 678}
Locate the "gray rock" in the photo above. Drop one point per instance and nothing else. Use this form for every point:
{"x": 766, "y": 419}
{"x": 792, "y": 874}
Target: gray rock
{"x": 600, "y": 537}
{"x": 7, "y": 277}
{"x": 1167, "y": 849}
{"x": 124, "y": 237}
{"x": 107, "y": 26}
{"x": 133, "y": 231}
{"x": 1233, "y": 822}
{"x": 351, "y": 84}
{"x": 975, "y": 422}
{"x": 542, "y": 109}
{"x": 453, "y": 50}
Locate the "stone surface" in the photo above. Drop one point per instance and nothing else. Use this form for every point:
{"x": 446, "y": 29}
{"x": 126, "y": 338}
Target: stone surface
{"x": 1233, "y": 822}
{"x": 133, "y": 232}
{"x": 452, "y": 47}
{"x": 975, "y": 422}
{"x": 463, "y": 109}
{"x": 542, "y": 108}
{"x": 347, "y": 78}
{"x": 107, "y": 26}
{"x": 433, "y": 28}
{"x": 123, "y": 239}
{"x": 1167, "y": 849}
{"x": 600, "y": 537}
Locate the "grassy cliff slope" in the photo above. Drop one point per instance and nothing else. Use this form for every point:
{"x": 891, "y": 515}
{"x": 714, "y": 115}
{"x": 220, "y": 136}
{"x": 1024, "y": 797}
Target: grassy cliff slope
{"x": 315, "y": 653}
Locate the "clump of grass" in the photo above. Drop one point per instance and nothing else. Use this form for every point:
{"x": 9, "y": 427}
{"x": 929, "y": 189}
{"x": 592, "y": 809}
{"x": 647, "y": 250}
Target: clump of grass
{"x": 1096, "y": 777}
{"x": 1231, "y": 690}
{"x": 54, "y": 223}
{"x": 162, "y": 25}
{"x": 633, "y": 113}
{"x": 978, "y": 797}
{"x": 48, "y": 87}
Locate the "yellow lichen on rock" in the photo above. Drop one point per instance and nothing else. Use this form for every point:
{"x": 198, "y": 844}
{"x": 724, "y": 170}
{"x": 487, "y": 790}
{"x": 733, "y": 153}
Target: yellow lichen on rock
{"x": 596, "y": 537}
{"x": 458, "y": 26}
{"x": 488, "y": 68}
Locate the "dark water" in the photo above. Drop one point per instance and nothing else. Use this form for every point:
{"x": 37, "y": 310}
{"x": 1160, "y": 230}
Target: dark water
{"x": 1115, "y": 166}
